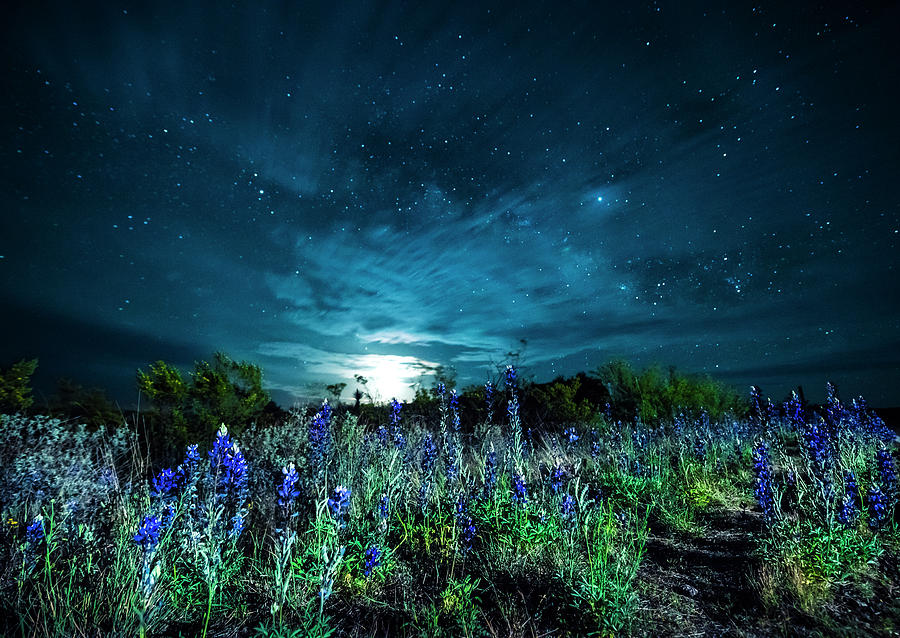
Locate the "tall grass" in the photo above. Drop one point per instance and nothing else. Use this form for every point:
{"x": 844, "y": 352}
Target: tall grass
{"x": 319, "y": 526}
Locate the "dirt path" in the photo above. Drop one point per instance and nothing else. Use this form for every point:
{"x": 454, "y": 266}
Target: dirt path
{"x": 700, "y": 585}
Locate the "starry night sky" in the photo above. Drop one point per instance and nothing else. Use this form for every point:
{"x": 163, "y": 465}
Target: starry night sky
{"x": 339, "y": 188}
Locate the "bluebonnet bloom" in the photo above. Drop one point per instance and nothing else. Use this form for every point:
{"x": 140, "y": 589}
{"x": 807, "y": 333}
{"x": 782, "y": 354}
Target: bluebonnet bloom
{"x": 557, "y": 476}
{"x": 850, "y": 507}
{"x": 595, "y": 444}
{"x": 339, "y": 504}
{"x": 794, "y": 409}
{"x": 887, "y": 476}
{"x": 567, "y": 506}
{"x": 164, "y": 482}
{"x": 451, "y": 463}
{"x": 607, "y": 411}
{"x": 384, "y": 507}
{"x": 34, "y": 536}
{"x": 429, "y": 455}
{"x": 148, "y": 534}
{"x": 468, "y": 533}
{"x": 187, "y": 471}
{"x": 454, "y": 411}
{"x": 490, "y": 473}
{"x": 877, "y": 507}
{"x": 219, "y": 449}
{"x": 571, "y": 436}
{"x": 235, "y": 469}
{"x": 396, "y": 433}
{"x": 511, "y": 379}
{"x": 373, "y": 556}
{"x": 287, "y": 492}
{"x": 765, "y": 492}
{"x": 520, "y": 489}
{"x": 396, "y": 406}
{"x": 320, "y": 439}
{"x": 489, "y": 400}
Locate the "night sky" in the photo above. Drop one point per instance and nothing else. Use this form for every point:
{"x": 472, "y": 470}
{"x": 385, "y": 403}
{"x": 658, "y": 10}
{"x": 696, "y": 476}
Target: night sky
{"x": 376, "y": 188}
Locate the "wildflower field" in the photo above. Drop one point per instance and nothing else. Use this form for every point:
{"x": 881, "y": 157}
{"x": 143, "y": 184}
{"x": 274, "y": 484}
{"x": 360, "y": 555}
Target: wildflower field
{"x": 781, "y": 520}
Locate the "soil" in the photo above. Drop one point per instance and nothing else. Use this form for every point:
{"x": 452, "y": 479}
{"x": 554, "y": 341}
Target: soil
{"x": 703, "y": 585}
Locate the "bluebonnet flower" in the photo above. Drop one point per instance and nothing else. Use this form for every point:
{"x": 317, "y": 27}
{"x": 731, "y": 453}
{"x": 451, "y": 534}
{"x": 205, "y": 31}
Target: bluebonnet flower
{"x": 489, "y": 400}
{"x": 877, "y": 507}
{"x": 819, "y": 449}
{"x": 164, "y": 482}
{"x": 373, "y": 556}
{"x": 451, "y": 463}
{"x": 520, "y": 489}
{"x": 557, "y": 476}
{"x": 220, "y": 448}
{"x": 511, "y": 379}
{"x": 490, "y": 473}
{"x": 187, "y": 471}
{"x": 287, "y": 492}
{"x": 595, "y": 444}
{"x": 34, "y": 536}
{"x": 887, "y": 476}
{"x": 339, "y": 504}
{"x": 834, "y": 411}
{"x": 765, "y": 493}
{"x": 468, "y": 533}
{"x": 237, "y": 523}
{"x": 454, "y": 411}
{"x": 850, "y": 507}
{"x": 794, "y": 409}
{"x": 429, "y": 455}
{"x": 235, "y": 469}
{"x": 382, "y": 434}
{"x": 384, "y": 507}
{"x": 148, "y": 534}
{"x": 571, "y": 436}
{"x": 396, "y": 406}
{"x": 699, "y": 449}
{"x": 320, "y": 439}
{"x": 567, "y": 506}
{"x": 607, "y": 411}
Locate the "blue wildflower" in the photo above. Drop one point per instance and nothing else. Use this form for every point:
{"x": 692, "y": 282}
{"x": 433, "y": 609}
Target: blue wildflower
{"x": 164, "y": 482}
{"x": 850, "y": 507}
{"x": 320, "y": 439}
{"x": 373, "y": 556}
{"x": 511, "y": 378}
{"x": 567, "y": 506}
{"x": 520, "y": 489}
{"x": 339, "y": 504}
{"x": 887, "y": 476}
{"x": 220, "y": 448}
{"x": 454, "y": 411}
{"x": 765, "y": 492}
{"x": 287, "y": 492}
{"x": 235, "y": 468}
{"x": 557, "y": 476}
{"x": 429, "y": 456}
{"x": 490, "y": 473}
{"x": 489, "y": 400}
{"x": 877, "y": 507}
{"x": 384, "y": 507}
{"x": 34, "y": 536}
{"x": 571, "y": 436}
{"x": 148, "y": 533}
